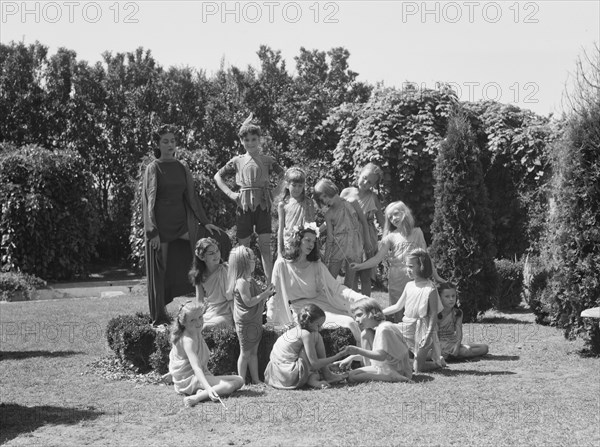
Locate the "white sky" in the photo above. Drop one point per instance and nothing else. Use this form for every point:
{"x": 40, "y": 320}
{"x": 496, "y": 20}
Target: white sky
{"x": 515, "y": 52}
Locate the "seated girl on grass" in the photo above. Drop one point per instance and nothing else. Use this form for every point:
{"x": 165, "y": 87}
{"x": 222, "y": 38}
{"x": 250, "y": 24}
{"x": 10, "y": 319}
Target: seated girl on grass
{"x": 298, "y": 356}
{"x": 188, "y": 360}
{"x": 450, "y": 328}
{"x": 388, "y": 360}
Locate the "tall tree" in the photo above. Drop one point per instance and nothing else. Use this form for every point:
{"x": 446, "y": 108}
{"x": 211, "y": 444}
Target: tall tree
{"x": 462, "y": 246}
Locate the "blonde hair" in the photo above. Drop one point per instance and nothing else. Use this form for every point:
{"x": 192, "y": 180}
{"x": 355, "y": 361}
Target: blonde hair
{"x": 178, "y": 325}
{"x": 372, "y": 169}
{"x": 325, "y": 187}
{"x": 370, "y": 307}
{"x": 406, "y": 225}
{"x": 239, "y": 266}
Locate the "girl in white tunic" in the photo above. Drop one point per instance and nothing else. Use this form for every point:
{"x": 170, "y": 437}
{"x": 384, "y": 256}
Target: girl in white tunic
{"x": 421, "y": 304}
{"x": 188, "y": 360}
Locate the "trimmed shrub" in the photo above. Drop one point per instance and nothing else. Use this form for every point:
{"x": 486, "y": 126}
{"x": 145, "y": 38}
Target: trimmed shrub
{"x": 139, "y": 346}
{"x": 14, "y": 282}
{"x": 462, "y": 246}
{"x": 535, "y": 279}
{"x": 131, "y": 337}
{"x": 49, "y": 224}
{"x": 510, "y": 284}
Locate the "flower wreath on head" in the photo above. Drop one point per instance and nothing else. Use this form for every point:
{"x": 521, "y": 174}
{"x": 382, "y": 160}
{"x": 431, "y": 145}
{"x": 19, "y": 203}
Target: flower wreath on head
{"x": 306, "y": 226}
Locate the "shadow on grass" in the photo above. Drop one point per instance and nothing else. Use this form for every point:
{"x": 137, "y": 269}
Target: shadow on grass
{"x": 505, "y": 358}
{"x": 503, "y": 320}
{"x": 471, "y": 372}
{"x": 421, "y": 378}
{"x": 16, "y": 419}
{"x": 17, "y": 355}
{"x": 247, "y": 393}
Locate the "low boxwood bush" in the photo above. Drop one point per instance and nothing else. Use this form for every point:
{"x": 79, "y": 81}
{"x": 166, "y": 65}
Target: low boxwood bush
{"x": 15, "y": 282}
{"x": 139, "y": 346}
{"x": 510, "y": 284}
{"x": 131, "y": 338}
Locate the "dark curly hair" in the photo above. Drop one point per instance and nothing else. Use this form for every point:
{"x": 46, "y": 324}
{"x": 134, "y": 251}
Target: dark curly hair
{"x": 309, "y": 314}
{"x": 293, "y": 252}
{"x": 158, "y": 133}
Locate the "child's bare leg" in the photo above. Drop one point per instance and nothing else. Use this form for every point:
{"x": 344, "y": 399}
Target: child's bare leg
{"x": 370, "y": 373}
{"x": 190, "y": 401}
{"x": 314, "y": 378}
{"x": 329, "y": 376}
{"x": 469, "y": 351}
{"x": 314, "y": 381}
{"x": 242, "y": 363}
{"x": 264, "y": 245}
{"x": 421, "y": 364}
{"x": 223, "y": 386}
{"x": 365, "y": 282}
{"x": 253, "y": 365}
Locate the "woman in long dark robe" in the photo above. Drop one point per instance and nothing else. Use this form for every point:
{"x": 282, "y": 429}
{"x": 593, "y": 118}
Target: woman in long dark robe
{"x": 172, "y": 211}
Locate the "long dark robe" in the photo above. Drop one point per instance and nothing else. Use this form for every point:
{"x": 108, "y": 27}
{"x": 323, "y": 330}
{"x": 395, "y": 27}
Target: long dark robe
{"x": 165, "y": 284}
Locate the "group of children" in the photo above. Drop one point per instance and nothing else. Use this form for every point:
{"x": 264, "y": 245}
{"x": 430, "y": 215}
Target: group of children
{"x": 425, "y": 321}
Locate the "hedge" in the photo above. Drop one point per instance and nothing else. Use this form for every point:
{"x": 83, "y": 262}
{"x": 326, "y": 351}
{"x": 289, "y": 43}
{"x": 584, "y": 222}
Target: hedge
{"x": 49, "y": 224}
{"x": 510, "y": 284}
{"x": 139, "y": 346}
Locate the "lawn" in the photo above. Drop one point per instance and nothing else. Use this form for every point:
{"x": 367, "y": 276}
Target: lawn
{"x": 533, "y": 389}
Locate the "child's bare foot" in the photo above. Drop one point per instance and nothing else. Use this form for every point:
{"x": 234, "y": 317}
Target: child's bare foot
{"x": 321, "y": 384}
{"x": 189, "y": 401}
{"x": 333, "y": 378}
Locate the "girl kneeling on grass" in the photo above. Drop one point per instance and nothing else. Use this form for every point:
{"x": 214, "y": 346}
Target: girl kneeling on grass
{"x": 298, "y": 356}
{"x": 450, "y": 328}
{"x": 188, "y": 360}
{"x": 388, "y": 361}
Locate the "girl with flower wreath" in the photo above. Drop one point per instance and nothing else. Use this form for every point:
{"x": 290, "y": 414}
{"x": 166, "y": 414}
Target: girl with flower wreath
{"x": 300, "y": 278}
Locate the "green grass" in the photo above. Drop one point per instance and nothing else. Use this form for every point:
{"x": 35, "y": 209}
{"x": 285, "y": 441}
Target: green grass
{"x": 533, "y": 389}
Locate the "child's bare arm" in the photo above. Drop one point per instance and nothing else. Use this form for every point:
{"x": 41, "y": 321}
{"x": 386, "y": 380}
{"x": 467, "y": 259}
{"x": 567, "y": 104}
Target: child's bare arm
{"x": 432, "y": 312}
{"x": 379, "y": 214}
{"x": 459, "y": 331}
{"x": 330, "y": 242}
{"x": 281, "y": 218}
{"x": 243, "y": 288}
{"x": 378, "y": 355}
{"x": 309, "y": 340}
{"x": 190, "y": 348}
{"x": 199, "y": 293}
{"x": 225, "y": 188}
{"x": 375, "y": 260}
{"x": 394, "y": 308}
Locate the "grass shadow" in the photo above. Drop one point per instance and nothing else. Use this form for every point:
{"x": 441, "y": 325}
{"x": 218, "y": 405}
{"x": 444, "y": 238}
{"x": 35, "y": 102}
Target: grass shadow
{"x": 16, "y": 419}
{"x": 422, "y": 378}
{"x": 471, "y": 372}
{"x": 505, "y": 358}
{"x": 247, "y": 393}
{"x": 503, "y": 320}
{"x": 18, "y": 355}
